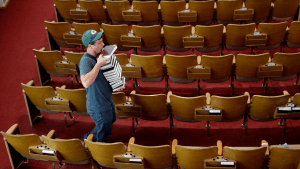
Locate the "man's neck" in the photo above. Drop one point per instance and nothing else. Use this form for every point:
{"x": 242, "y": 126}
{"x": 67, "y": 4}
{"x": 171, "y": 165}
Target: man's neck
{"x": 91, "y": 52}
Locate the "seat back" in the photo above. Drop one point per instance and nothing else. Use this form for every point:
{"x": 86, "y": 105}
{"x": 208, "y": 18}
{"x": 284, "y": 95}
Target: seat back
{"x": 149, "y": 10}
{"x": 21, "y": 143}
{"x": 296, "y": 99}
{"x": 177, "y": 65}
{"x": 38, "y": 94}
{"x": 247, "y": 65}
{"x": 77, "y": 98}
{"x": 212, "y": 34}
{"x": 64, "y": 7}
{"x": 290, "y": 62}
{"x": 275, "y": 32}
{"x": 154, "y": 156}
{"x": 71, "y": 150}
{"x": 263, "y": 107}
{"x": 57, "y": 29}
{"x": 113, "y": 32}
{"x": 282, "y": 157}
{"x": 235, "y": 34}
{"x": 193, "y": 157}
{"x": 204, "y": 9}
{"x": 246, "y": 157}
{"x": 174, "y": 35}
{"x": 48, "y": 58}
{"x": 169, "y": 10}
{"x": 73, "y": 57}
{"x": 115, "y": 9}
{"x": 153, "y": 106}
{"x": 184, "y": 107}
{"x": 152, "y": 66}
{"x": 122, "y": 58}
{"x": 103, "y": 152}
{"x": 225, "y": 9}
{"x": 151, "y": 35}
{"x": 285, "y": 9}
{"x": 80, "y": 28}
{"x": 261, "y": 8}
{"x": 220, "y": 65}
{"x": 118, "y": 97}
{"x": 95, "y": 9}
{"x": 233, "y": 108}
{"x": 294, "y": 32}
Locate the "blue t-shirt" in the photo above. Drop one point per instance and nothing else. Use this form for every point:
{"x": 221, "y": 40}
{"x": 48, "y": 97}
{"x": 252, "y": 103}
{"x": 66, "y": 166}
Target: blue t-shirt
{"x": 98, "y": 94}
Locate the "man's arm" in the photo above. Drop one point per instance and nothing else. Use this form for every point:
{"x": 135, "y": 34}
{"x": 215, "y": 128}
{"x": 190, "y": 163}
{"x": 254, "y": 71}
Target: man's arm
{"x": 89, "y": 78}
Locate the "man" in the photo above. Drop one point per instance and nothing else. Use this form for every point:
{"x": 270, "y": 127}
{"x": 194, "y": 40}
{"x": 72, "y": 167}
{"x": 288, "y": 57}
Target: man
{"x": 99, "y": 103}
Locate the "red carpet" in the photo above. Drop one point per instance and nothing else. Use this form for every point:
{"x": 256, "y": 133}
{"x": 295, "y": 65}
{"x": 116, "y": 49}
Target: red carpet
{"x": 22, "y": 29}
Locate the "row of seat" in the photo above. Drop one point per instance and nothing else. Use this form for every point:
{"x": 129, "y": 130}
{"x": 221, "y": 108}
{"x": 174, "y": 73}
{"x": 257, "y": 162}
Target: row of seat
{"x": 21, "y": 147}
{"x": 171, "y": 12}
{"x": 156, "y": 107}
{"x": 207, "y": 40}
{"x": 183, "y": 69}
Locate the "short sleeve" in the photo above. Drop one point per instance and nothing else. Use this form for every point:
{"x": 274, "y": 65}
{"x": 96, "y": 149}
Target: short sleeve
{"x": 85, "y": 65}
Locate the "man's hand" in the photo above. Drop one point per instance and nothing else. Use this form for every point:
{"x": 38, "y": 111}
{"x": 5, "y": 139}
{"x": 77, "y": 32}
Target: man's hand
{"x": 120, "y": 89}
{"x": 101, "y": 60}
{"x": 104, "y": 52}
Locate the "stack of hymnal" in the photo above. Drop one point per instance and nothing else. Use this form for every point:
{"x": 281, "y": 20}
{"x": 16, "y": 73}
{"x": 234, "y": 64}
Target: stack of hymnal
{"x": 112, "y": 70}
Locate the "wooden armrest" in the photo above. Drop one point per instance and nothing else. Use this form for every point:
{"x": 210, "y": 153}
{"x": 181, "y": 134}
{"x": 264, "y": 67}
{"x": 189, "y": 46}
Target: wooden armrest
{"x": 168, "y": 96}
{"x": 286, "y": 92}
{"x": 133, "y": 92}
{"x": 73, "y": 29}
{"x": 224, "y": 30}
{"x": 233, "y": 60}
{"x": 131, "y": 141}
{"x": 249, "y": 100}
{"x": 51, "y": 134}
{"x": 30, "y": 83}
{"x": 42, "y": 49}
{"x": 63, "y": 87}
{"x": 264, "y": 141}
{"x": 199, "y": 59}
{"x": 174, "y": 143}
{"x": 90, "y": 137}
{"x": 12, "y": 129}
{"x": 193, "y": 30}
{"x": 207, "y": 98}
{"x": 220, "y": 148}
{"x": 270, "y": 60}
{"x": 164, "y": 60}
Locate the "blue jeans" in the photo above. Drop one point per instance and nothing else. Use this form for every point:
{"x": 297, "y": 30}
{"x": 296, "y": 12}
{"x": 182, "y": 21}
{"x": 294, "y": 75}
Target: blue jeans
{"x": 103, "y": 120}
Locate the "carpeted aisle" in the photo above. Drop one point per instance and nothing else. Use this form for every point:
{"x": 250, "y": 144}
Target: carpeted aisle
{"x": 22, "y": 29}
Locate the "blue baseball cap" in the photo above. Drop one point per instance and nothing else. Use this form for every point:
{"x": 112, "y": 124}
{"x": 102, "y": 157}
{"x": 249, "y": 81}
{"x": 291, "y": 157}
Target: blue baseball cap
{"x": 89, "y": 36}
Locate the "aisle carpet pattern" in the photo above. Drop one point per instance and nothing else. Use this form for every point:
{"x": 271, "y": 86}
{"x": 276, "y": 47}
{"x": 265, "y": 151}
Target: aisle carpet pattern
{"x": 22, "y": 29}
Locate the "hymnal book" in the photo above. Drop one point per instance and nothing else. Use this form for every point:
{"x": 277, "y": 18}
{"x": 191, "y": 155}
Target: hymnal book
{"x": 110, "y": 49}
{"x": 112, "y": 70}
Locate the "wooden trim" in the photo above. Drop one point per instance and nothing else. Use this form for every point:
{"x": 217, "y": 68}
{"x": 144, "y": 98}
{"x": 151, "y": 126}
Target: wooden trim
{"x": 6, "y": 3}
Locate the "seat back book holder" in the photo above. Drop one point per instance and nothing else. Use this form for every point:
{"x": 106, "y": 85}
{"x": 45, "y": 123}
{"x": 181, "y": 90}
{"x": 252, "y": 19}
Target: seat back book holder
{"x": 128, "y": 110}
{"x": 42, "y": 152}
{"x": 79, "y": 14}
{"x": 187, "y": 16}
{"x": 131, "y": 41}
{"x": 256, "y": 39}
{"x": 132, "y": 15}
{"x": 73, "y": 38}
{"x": 131, "y": 71}
{"x": 198, "y": 72}
{"x": 129, "y": 162}
{"x": 219, "y": 163}
{"x": 193, "y": 41}
{"x": 243, "y": 14}
{"x": 208, "y": 114}
{"x": 270, "y": 70}
{"x": 58, "y": 104}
